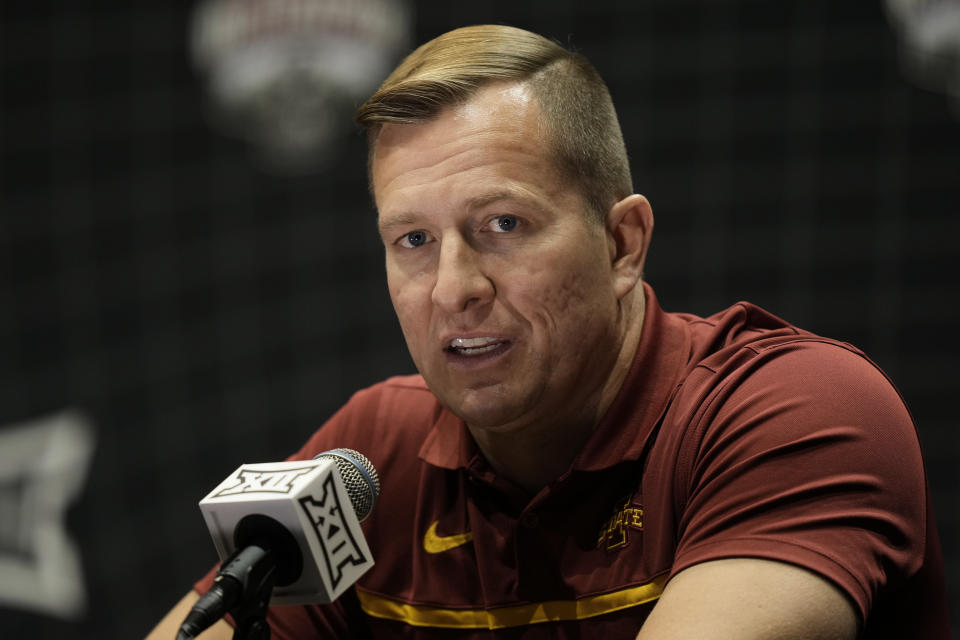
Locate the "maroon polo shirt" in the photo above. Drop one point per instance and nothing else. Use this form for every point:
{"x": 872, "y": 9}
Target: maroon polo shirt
{"x": 736, "y": 435}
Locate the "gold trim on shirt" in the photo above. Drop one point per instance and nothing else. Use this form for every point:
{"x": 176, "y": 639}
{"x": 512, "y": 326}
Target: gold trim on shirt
{"x": 551, "y": 611}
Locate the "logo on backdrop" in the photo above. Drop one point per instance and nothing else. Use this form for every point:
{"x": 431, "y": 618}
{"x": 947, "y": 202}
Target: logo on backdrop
{"x": 287, "y": 74}
{"x": 43, "y": 465}
{"x": 336, "y": 539}
{"x": 260, "y": 481}
{"x": 929, "y": 34}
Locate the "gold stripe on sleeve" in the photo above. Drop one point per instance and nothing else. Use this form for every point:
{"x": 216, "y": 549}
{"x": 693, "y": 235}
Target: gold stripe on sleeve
{"x": 515, "y": 616}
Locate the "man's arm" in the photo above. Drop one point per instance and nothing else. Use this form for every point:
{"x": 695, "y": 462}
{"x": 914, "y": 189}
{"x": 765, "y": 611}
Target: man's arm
{"x": 750, "y": 599}
{"x": 170, "y": 625}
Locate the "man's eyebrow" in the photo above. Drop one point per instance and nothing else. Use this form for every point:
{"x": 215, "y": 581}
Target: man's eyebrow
{"x": 485, "y": 199}
{"x": 397, "y": 220}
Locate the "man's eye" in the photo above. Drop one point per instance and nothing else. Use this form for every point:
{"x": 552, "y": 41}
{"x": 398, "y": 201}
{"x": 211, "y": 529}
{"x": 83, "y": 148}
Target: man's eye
{"x": 503, "y": 224}
{"x": 414, "y": 239}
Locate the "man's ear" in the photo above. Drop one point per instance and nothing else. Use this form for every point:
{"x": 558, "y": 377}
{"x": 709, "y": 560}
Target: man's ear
{"x": 629, "y": 227}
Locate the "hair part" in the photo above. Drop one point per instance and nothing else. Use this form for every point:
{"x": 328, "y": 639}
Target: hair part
{"x": 577, "y": 113}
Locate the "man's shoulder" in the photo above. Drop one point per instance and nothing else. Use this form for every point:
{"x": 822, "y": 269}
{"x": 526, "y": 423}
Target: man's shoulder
{"x": 746, "y": 353}
{"x": 751, "y": 371}
{"x": 745, "y": 331}
{"x": 392, "y": 415}
{"x": 413, "y": 382}
{"x": 405, "y": 394}
{"x": 397, "y": 402}
{"x": 739, "y": 323}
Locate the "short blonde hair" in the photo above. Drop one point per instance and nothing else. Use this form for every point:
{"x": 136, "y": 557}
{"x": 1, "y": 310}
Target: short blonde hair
{"x": 579, "y": 116}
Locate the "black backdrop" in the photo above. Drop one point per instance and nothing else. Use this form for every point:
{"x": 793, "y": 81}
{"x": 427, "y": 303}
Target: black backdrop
{"x": 202, "y": 313}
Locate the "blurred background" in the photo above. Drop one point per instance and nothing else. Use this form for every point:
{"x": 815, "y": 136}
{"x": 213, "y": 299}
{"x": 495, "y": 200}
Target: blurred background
{"x": 190, "y": 276}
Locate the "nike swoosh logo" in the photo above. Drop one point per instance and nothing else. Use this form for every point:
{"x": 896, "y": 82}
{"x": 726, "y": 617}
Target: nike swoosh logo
{"x": 432, "y": 543}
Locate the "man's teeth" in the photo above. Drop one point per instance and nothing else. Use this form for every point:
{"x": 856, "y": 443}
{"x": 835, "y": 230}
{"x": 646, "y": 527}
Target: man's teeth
{"x": 466, "y": 343}
{"x": 474, "y": 346}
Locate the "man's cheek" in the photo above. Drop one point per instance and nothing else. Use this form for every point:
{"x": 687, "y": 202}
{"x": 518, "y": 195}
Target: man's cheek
{"x": 562, "y": 297}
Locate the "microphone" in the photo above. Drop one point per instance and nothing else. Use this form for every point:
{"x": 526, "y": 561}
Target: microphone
{"x": 290, "y": 528}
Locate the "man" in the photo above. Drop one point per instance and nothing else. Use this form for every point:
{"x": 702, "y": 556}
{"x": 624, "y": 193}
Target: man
{"x": 575, "y": 462}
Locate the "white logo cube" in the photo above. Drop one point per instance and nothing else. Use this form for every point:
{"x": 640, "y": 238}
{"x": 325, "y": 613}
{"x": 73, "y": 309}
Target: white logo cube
{"x": 309, "y": 500}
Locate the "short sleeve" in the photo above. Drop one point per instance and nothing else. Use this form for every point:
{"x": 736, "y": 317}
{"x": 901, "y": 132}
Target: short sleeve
{"x": 805, "y": 453}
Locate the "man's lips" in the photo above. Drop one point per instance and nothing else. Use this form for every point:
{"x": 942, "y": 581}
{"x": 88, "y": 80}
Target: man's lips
{"x": 474, "y": 346}
{"x": 472, "y": 349}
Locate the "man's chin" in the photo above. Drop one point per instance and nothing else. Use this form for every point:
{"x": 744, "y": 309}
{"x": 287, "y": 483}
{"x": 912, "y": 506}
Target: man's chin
{"x": 490, "y": 409}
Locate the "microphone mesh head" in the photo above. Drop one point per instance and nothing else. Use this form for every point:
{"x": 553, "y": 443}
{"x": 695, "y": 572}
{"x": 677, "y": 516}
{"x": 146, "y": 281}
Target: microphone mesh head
{"x": 359, "y": 478}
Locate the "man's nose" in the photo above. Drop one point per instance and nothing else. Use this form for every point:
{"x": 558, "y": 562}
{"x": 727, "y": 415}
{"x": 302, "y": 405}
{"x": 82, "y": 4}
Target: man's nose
{"x": 461, "y": 281}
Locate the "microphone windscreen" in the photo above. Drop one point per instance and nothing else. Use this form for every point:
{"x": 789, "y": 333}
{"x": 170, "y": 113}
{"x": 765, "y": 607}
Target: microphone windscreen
{"x": 359, "y": 478}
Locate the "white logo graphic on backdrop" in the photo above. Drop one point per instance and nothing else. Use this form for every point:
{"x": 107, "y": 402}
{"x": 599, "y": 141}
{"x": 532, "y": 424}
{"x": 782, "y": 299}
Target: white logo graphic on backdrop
{"x": 929, "y": 33}
{"x": 43, "y": 464}
{"x": 287, "y": 74}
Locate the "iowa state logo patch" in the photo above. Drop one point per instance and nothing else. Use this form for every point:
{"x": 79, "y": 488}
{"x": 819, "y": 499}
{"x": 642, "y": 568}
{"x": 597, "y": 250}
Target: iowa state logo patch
{"x": 615, "y": 534}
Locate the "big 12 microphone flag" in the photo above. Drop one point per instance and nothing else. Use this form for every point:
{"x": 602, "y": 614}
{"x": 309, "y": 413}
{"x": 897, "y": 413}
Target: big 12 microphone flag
{"x": 309, "y": 512}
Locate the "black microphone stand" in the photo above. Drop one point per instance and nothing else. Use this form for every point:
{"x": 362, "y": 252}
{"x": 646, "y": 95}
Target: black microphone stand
{"x": 242, "y": 588}
{"x": 250, "y": 613}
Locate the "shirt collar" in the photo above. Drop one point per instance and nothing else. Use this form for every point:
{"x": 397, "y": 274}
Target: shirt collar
{"x": 643, "y": 398}
{"x": 623, "y": 431}
{"x": 448, "y": 444}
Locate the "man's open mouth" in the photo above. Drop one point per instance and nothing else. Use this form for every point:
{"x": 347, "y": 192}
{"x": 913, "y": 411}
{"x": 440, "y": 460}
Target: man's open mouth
{"x": 474, "y": 346}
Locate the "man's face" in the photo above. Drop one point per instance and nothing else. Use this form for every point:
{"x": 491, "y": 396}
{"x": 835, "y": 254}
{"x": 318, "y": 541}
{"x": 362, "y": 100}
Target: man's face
{"x": 501, "y": 282}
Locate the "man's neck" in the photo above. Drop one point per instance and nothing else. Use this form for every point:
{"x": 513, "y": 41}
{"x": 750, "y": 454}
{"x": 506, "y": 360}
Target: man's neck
{"x": 539, "y": 453}
{"x": 531, "y": 459}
